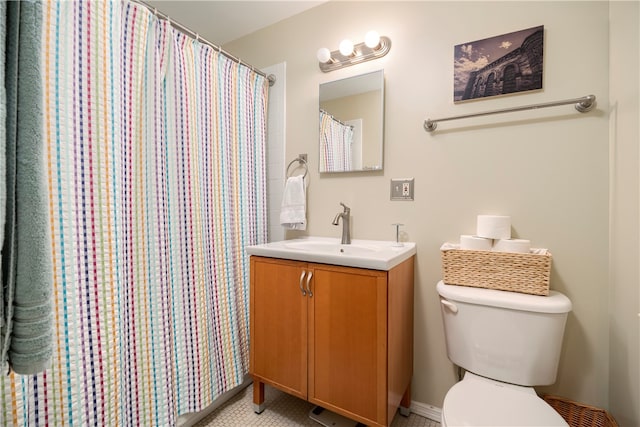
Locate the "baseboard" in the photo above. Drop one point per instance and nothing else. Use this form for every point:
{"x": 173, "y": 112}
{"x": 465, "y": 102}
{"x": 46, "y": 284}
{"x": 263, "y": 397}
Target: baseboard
{"x": 427, "y": 411}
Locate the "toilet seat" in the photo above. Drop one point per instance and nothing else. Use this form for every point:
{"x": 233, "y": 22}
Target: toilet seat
{"x": 478, "y": 401}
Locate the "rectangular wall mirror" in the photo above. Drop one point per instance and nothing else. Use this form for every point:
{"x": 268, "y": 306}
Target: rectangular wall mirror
{"x": 352, "y": 123}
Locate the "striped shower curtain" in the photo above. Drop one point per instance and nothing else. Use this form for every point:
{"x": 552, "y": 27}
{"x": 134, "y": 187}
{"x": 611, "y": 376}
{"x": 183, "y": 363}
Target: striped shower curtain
{"x": 336, "y": 142}
{"x": 156, "y": 170}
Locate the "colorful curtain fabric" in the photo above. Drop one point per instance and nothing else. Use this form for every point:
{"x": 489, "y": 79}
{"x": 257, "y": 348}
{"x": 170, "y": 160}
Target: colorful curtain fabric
{"x": 335, "y": 144}
{"x": 156, "y": 174}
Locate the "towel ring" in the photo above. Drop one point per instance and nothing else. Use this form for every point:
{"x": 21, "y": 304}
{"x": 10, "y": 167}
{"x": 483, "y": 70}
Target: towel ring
{"x": 300, "y": 161}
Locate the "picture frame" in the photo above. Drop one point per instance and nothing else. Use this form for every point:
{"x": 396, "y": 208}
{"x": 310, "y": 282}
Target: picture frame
{"x": 501, "y": 65}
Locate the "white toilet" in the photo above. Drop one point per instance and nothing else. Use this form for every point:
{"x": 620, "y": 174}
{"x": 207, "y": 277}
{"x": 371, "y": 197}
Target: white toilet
{"x": 507, "y": 342}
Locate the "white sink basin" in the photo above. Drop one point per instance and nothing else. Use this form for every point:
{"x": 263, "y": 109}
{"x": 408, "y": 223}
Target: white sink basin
{"x": 335, "y": 248}
{"x": 373, "y": 254}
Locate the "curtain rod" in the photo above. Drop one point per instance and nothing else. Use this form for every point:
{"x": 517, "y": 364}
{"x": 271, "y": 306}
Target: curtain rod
{"x": 194, "y": 35}
{"x": 334, "y": 119}
{"x": 584, "y": 104}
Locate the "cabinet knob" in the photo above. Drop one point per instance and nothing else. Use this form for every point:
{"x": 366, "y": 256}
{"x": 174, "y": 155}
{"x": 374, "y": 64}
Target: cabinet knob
{"x": 304, "y": 293}
{"x": 309, "y": 276}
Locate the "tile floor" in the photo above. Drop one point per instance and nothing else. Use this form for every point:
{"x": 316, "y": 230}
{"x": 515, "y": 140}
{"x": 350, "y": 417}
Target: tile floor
{"x": 281, "y": 410}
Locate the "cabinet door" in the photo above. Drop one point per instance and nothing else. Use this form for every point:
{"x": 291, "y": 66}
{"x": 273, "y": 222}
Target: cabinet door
{"x": 348, "y": 342}
{"x": 279, "y": 324}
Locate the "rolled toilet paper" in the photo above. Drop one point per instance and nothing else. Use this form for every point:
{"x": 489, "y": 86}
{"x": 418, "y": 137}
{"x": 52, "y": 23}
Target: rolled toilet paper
{"x": 520, "y": 246}
{"x": 494, "y": 226}
{"x": 475, "y": 243}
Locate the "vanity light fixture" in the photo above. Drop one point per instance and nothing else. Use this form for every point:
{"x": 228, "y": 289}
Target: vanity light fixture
{"x": 373, "y": 47}
{"x": 346, "y": 48}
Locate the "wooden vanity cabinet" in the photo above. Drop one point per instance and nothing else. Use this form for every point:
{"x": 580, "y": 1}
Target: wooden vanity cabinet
{"x": 278, "y": 325}
{"x": 339, "y": 337}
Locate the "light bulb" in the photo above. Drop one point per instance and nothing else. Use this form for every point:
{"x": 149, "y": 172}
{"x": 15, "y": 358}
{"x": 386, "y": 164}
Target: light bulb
{"x": 324, "y": 55}
{"x": 346, "y": 47}
{"x": 372, "y": 39}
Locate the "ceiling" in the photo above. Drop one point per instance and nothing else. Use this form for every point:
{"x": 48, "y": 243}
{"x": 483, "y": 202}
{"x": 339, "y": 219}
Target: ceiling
{"x": 221, "y": 21}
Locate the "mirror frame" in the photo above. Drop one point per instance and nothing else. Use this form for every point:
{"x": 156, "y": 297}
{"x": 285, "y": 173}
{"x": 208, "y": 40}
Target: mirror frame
{"x": 349, "y": 87}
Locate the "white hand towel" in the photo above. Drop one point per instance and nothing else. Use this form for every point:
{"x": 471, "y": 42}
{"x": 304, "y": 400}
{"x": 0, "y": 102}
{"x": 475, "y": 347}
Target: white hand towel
{"x": 293, "y": 214}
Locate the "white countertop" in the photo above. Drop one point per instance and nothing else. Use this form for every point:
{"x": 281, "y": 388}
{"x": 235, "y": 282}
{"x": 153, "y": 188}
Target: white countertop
{"x": 372, "y": 254}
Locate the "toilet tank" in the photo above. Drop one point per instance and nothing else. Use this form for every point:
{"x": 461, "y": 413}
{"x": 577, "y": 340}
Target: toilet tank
{"x": 505, "y": 336}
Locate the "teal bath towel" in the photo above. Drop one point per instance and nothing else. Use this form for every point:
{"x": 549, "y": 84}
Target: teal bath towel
{"x": 3, "y": 143}
{"x": 26, "y": 255}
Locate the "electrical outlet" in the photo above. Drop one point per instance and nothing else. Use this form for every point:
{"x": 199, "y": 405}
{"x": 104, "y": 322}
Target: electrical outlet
{"x": 402, "y": 188}
{"x": 405, "y": 189}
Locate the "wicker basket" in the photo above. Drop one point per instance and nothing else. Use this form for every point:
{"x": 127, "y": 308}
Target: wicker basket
{"x": 579, "y": 414}
{"x": 505, "y": 271}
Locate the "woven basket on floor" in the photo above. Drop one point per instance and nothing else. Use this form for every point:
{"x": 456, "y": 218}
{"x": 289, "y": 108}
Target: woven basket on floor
{"x": 505, "y": 271}
{"x": 580, "y": 415}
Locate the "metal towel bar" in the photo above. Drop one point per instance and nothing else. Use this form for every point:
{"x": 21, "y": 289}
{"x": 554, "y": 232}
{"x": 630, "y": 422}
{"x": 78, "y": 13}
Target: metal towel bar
{"x": 584, "y": 104}
{"x": 301, "y": 162}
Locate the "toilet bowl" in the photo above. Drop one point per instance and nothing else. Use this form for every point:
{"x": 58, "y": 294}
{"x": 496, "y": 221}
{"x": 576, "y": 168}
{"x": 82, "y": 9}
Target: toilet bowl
{"x": 479, "y": 401}
{"x": 507, "y": 343}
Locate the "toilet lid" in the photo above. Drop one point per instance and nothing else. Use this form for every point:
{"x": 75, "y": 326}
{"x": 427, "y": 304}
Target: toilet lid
{"x": 477, "y": 401}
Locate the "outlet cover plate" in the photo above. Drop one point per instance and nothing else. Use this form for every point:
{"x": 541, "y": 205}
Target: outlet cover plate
{"x": 402, "y": 188}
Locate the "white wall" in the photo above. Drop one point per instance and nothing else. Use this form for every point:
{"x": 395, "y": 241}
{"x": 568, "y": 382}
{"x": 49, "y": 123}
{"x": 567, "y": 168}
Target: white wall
{"x": 624, "y": 137}
{"x": 276, "y": 166}
{"x": 548, "y": 169}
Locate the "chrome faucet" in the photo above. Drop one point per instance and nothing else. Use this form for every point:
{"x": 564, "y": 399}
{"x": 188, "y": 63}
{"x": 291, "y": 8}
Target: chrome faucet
{"x": 346, "y": 220}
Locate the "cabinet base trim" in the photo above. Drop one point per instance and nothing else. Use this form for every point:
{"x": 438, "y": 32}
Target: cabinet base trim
{"x": 331, "y": 419}
{"x": 428, "y": 411}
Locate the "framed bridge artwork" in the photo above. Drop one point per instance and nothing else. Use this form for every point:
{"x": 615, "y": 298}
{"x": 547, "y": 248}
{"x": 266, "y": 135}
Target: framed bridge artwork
{"x": 500, "y": 65}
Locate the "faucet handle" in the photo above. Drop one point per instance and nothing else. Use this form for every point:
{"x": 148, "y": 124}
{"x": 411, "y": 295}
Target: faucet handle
{"x": 397, "y": 243}
{"x": 346, "y": 208}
